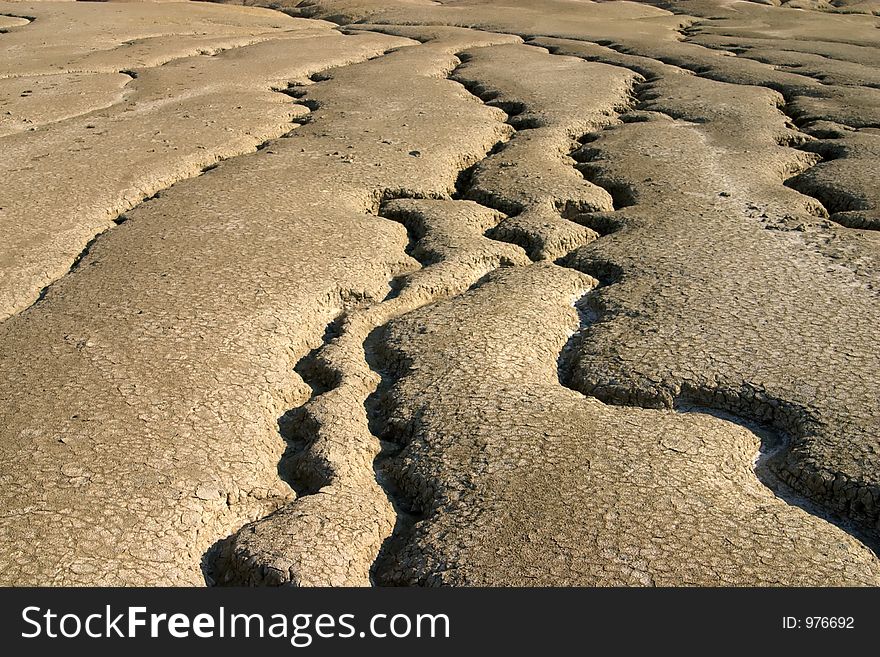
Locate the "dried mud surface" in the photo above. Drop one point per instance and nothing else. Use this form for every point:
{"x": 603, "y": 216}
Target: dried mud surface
{"x": 401, "y": 292}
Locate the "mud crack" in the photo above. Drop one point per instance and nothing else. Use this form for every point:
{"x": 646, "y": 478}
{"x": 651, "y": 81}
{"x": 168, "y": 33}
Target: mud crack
{"x": 345, "y": 510}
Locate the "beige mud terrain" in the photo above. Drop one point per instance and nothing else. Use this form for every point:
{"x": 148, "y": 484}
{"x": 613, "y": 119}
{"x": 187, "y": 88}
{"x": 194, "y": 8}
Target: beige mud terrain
{"x": 406, "y": 292}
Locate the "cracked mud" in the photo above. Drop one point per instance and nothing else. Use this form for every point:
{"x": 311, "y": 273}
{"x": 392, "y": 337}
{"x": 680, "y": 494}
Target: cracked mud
{"x": 394, "y": 292}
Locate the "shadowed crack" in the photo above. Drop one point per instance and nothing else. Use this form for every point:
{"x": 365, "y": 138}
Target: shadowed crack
{"x": 849, "y": 505}
{"x": 330, "y": 460}
{"x": 775, "y": 442}
{"x": 29, "y": 19}
{"x": 839, "y": 178}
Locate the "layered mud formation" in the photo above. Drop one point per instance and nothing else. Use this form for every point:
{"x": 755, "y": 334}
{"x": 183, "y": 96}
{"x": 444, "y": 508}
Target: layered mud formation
{"x": 463, "y": 293}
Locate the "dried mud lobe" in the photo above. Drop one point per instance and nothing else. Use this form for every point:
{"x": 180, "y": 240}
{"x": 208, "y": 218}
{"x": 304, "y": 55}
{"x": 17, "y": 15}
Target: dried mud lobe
{"x": 516, "y": 479}
{"x": 332, "y": 533}
{"x": 696, "y": 178}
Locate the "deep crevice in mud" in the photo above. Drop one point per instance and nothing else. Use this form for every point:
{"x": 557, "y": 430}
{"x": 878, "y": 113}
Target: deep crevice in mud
{"x": 777, "y": 423}
{"x": 305, "y": 472}
{"x": 73, "y": 266}
{"x": 775, "y": 419}
{"x": 621, "y": 193}
{"x": 602, "y": 223}
{"x": 465, "y": 177}
{"x": 587, "y": 158}
{"x": 406, "y": 508}
{"x": 579, "y": 153}
{"x": 707, "y": 72}
{"x": 29, "y": 19}
{"x": 846, "y": 514}
{"x": 803, "y": 134}
{"x": 299, "y": 93}
{"x": 773, "y": 447}
{"x": 835, "y": 203}
{"x": 407, "y": 513}
{"x": 299, "y": 469}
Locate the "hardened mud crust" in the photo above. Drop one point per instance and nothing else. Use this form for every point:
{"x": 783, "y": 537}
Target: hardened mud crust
{"x": 383, "y": 292}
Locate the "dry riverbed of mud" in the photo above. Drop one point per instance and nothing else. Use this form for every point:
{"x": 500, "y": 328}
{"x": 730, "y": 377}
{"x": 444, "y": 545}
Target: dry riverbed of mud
{"x": 399, "y": 292}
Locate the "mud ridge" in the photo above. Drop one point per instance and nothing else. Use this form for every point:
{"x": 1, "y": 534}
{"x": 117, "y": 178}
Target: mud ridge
{"x": 408, "y": 507}
{"x": 776, "y": 413}
{"x": 774, "y": 423}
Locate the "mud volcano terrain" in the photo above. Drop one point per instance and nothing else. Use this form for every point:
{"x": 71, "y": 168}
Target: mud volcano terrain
{"x": 403, "y": 292}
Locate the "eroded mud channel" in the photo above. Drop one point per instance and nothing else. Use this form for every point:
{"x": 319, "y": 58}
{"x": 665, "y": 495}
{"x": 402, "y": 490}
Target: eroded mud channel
{"x": 530, "y": 302}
